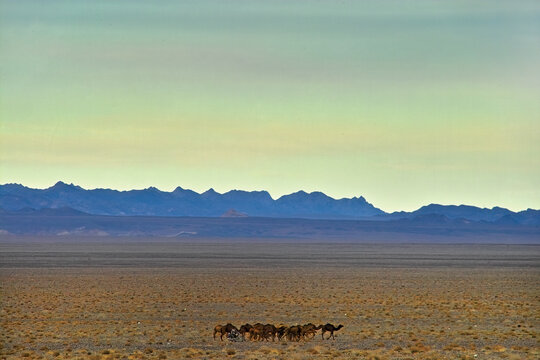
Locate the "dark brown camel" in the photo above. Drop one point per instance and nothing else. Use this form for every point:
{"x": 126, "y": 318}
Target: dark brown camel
{"x": 269, "y": 331}
{"x": 245, "y": 329}
{"x": 224, "y": 330}
{"x": 329, "y": 328}
{"x": 281, "y": 332}
{"x": 308, "y": 331}
{"x": 256, "y": 332}
{"x": 293, "y": 333}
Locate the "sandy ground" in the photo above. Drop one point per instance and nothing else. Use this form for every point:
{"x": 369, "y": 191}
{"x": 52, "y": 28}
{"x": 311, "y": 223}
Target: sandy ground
{"x": 155, "y": 300}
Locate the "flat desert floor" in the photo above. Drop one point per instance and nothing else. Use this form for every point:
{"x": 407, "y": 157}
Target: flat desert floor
{"x": 148, "y": 299}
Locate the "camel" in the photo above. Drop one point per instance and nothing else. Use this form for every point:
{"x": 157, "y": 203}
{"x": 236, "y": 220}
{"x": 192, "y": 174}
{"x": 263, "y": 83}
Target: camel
{"x": 308, "y": 330}
{"x": 269, "y": 330}
{"x": 281, "y": 332}
{"x": 257, "y": 332}
{"x": 263, "y": 332}
{"x": 223, "y": 330}
{"x": 293, "y": 333}
{"x": 245, "y": 329}
{"x": 329, "y": 328}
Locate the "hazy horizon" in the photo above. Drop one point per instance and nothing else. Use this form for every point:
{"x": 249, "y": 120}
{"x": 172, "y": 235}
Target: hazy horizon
{"x": 403, "y": 103}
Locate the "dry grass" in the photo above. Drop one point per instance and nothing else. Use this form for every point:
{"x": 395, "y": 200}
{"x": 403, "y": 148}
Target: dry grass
{"x": 170, "y": 313}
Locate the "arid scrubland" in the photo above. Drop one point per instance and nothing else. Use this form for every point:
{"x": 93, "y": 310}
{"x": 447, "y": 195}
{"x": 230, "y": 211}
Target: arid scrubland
{"x": 388, "y": 312}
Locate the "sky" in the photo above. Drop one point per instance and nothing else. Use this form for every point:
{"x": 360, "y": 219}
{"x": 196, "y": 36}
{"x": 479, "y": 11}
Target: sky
{"x": 403, "y": 102}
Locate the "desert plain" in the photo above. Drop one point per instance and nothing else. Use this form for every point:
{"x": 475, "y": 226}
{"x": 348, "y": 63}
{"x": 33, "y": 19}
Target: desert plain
{"x": 153, "y": 298}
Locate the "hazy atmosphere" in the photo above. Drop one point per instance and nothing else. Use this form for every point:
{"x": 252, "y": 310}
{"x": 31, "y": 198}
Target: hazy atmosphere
{"x": 262, "y": 180}
{"x": 405, "y": 103}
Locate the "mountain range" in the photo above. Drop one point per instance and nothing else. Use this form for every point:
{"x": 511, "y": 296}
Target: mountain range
{"x": 69, "y": 199}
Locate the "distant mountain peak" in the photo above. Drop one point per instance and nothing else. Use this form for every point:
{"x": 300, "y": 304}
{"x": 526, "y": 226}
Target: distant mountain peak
{"x": 243, "y": 195}
{"x": 210, "y": 191}
{"x": 358, "y": 198}
{"x": 153, "y": 189}
{"x": 295, "y": 195}
{"x": 12, "y": 187}
{"x": 62, "y": 185}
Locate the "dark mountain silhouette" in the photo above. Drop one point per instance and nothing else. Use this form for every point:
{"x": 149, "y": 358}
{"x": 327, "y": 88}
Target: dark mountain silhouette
{"x": 527, "y": 217}
{"x": 466, "y": 213}
{"x": 184, "y": 202}
{"x": 301, "y": 204}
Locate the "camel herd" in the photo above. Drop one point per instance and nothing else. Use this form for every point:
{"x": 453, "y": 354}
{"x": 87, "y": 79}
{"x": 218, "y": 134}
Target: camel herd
{"x": 265, "y": 332}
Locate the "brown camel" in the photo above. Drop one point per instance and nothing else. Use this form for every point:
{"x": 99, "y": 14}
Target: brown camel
{"x": 224, "y": 330}
{"x": 269, "y": 331}
{"x": 293, "y": 333}
{"x": 245, "y": 329}
{"x": 256, "y": 332}
{"x": 281, "y": 332}
{"x": 329, "y": 328}
{"x": 309, "y": 330}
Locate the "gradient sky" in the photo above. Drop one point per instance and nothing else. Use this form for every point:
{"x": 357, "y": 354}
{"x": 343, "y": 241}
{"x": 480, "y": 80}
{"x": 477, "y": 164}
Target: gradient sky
{"x": 404, "y": 102}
